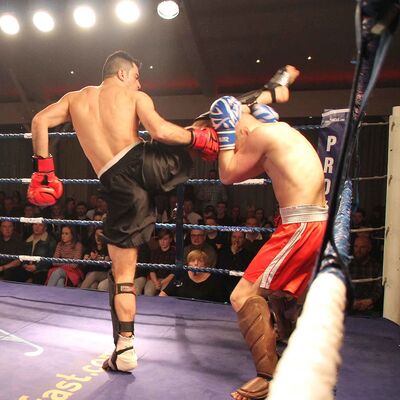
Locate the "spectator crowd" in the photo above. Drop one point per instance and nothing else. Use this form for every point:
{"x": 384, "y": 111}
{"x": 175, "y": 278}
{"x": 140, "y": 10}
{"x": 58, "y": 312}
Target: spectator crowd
{"x": 202, "y": 248}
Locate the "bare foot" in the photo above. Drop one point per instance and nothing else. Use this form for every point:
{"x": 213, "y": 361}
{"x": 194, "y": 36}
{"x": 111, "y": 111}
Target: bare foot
{"x": 282, "y": 93}
{"x": 237, "y": 396}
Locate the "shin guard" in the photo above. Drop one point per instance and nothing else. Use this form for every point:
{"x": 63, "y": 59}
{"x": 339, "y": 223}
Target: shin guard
{"x": 256, "y": 326}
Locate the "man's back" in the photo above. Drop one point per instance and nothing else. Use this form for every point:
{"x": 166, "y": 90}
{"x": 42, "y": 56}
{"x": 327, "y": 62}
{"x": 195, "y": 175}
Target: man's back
{"x": 105, "y": 120}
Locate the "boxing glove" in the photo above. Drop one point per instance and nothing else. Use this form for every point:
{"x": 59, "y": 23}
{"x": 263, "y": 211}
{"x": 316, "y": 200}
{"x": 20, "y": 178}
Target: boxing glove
{"x": 224, "y": 115}
{"x": 45, "y": 188}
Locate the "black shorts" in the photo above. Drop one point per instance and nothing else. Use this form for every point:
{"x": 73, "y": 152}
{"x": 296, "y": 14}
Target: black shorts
{"x": 130, "y": 185}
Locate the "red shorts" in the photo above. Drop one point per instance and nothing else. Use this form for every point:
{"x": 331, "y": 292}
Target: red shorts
{"x": 287, "y": 260}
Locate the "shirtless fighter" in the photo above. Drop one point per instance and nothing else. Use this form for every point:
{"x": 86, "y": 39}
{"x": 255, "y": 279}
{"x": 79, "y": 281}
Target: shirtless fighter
{"x": 265, "y": 298}
{"x": 106, "y": 120}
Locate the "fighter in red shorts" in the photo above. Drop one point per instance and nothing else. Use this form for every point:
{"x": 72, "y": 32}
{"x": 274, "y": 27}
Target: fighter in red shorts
{"x": 265, "y": 299}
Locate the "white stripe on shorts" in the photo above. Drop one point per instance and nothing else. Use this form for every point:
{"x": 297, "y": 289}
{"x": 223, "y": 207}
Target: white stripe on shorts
{"x": 271, "y": 269}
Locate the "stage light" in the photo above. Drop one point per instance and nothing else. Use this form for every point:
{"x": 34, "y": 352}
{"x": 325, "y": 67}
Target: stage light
{"x": 84, "y": 16}
{"x": 127, "y": 11}
{"x": 9, "y": 24}
{"x": 43, "y": 21}
{"x": 168, "y": 9}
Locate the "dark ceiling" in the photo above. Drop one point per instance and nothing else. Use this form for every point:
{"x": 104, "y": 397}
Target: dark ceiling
{"x": 210, "y": 48}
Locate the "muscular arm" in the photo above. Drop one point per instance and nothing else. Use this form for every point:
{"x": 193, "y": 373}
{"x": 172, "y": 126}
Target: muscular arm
{"x": 245, "y": 163}
{"x": 53, "y": 115}
{"x": 158, "y": 127}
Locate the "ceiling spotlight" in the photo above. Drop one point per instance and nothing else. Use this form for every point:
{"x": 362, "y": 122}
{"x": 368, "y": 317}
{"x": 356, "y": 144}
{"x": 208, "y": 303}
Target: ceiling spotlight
{"x": 258, "y": 61}
{"x": 43, "y": 21}
{"x": 84, "y": 16}
{"x": 168, "y": 9}
{"x": 309, "y": 58}
{"x": 127, "y": 11}
{"x": 151, "y": 67}
{"x": 9, "y": 24}
{"x": 72, "y": 72}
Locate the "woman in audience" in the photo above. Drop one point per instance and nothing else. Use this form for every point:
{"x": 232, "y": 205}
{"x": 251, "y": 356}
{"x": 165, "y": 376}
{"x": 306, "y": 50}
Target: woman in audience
{"x": 197, "y": 285}
{"x": 97, "y": 251}
{"x": 68, "y": 247}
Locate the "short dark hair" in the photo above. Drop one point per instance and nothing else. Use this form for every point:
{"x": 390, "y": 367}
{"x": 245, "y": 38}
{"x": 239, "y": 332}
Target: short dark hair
{"x": 117, "y": 60}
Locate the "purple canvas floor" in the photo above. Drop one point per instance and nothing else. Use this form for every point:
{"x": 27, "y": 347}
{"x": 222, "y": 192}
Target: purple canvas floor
{"x": 53, "y": 342}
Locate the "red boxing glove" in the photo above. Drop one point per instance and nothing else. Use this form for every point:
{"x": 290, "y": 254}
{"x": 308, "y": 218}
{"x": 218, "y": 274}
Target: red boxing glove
{"x": 205, "y": 140}
{"x": 45, "y": 188}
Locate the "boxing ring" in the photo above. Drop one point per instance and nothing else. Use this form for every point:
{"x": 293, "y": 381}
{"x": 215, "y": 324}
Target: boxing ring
{"x": 53, "y": 342}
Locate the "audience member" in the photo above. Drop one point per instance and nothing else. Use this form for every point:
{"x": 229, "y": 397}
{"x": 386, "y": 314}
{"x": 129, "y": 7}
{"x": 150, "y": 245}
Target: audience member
{"x": 97, "y": 251}
{"x": 198, "y": 242}
{"x": 217, "y": 239}
{"x": 56, "y": 212}
{"x": 68, "y": 247}
{"x": 189, "y": 216}
{"x": 82, "y": 230}
{"x": 40, "y": 243}
{"x": 210, "y": 195}
{"x": 222, "y": 214}
{"x": 70, "y": 208}
{"x": 92, "y": 202}
{"x": 235, "y": 258}
{"x": 260, "y": 216}
{"x": 368, "y": 295}
{"x": 197, "y": 285}
{"x": 17, "y": 203}
{"x": 10, "y": 244}
{"x": 101, "y": 208}
{"x": 155, "y": 281}
{"x": 254, "y": 240}
{"x": 169, "y": 214}
{"x": 9, "y": 210}
{"x": 235, "y": 216}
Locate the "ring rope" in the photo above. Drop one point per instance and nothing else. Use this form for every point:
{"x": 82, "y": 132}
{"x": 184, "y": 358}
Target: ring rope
{"x": 222, "y": 228}
{"x": 28, "y": 135}
{"x": 367, "y": 229}
{"x": 261, "y": 181}
{"x": 165, "y": 267}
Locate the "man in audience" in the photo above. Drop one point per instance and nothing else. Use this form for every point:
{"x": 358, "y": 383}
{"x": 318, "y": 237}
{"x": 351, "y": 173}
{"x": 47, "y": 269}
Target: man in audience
{"x": 198, "y": 242}
{"x": 41, "y": 244}
{"x": 367, "y": 295}
{"x": 9, "y": 244}
{"x": 254, "y": 240}
{"x": 210, "y": 195}
{"x": 217, "y": 239}
{"x": 222, "y": 214}
{"x": 189, "y": 216}
{"x": 235, "y": 258}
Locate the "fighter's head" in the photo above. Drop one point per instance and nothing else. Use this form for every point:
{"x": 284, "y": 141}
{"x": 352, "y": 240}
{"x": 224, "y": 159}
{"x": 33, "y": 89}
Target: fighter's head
{"x": 124, "y": 67}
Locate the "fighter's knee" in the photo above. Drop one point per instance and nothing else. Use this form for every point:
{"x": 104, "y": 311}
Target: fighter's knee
{"x": 237, "y": 300}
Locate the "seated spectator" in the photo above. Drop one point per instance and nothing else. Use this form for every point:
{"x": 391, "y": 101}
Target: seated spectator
{"x": 217, "y": 239}
{"x": 91, "y": 206}
{"x": 222, "y": 214}
{"x": 254, "y": 240}
{"x": 189, "y": 216}
{"x": 260, "y": 216}
{"x": 17, "y": 203}
{"x": 235, "y": 258}
{"x": 68, "y": 247}
{"x": 11, "y": 244}
{"x": 235, "y": 216}
{"x": 9, "y": 209}
{"x": 250, "y": 211}
{"x": 70, "y": 208}
{"x": 169, "y": 214}
{"x": 155, "y": 281}
{"x": 198, "y": 242}
{"x": 2, "y": 197}
{"x": 97, "y": 250}
{"x": 82, "y": 230}
{"x": 101, "y": 208}
{"x": 368, "y": 295}
{"x": 197, "y": 285}
{"x": 41, "y": 244}
{"x": 30, "y": 211}
{"x": 56, "y": 212}
{"x": 210, "y": 195}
